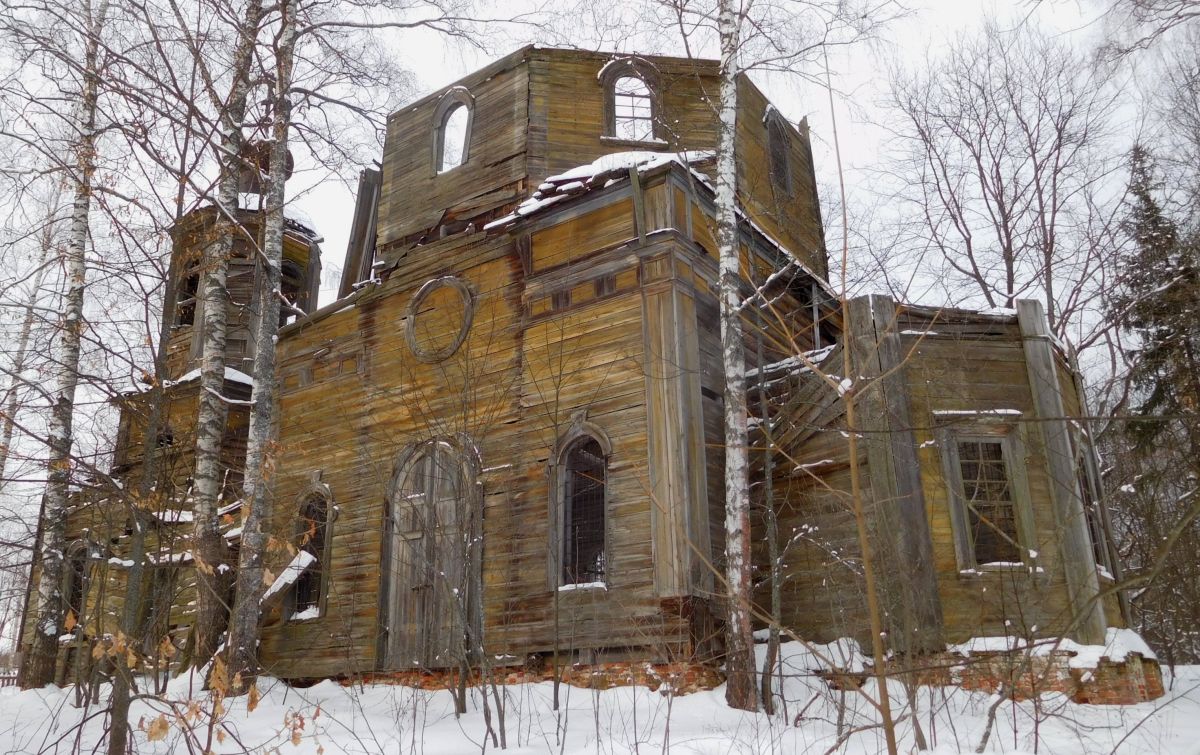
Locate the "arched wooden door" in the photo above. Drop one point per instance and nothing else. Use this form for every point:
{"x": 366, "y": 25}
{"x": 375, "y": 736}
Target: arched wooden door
{"x": 433, "y": 576}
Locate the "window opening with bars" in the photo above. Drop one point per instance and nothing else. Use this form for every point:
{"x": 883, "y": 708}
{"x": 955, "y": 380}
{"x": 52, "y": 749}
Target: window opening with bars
{"x": 987, "y": 495}
{"x": 314, "y": 523}
{"x": 584, "y": 558}
{"x": 633, "y": 110}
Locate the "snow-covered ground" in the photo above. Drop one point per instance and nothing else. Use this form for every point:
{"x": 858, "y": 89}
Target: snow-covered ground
{"x": 329, "y": 718}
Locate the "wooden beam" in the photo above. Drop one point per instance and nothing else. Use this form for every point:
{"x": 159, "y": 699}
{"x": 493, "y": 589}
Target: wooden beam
{"x": 904, "y": 545}
{"x": 1078, "y": 560}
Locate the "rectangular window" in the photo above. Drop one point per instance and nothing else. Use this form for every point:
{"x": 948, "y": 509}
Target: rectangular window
{"x": 987, "y": 496}
{"x": 990, "y": 511}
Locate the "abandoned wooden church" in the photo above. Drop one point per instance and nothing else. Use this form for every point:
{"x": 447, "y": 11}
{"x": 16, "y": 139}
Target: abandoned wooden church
{"x": 502, "y": 443}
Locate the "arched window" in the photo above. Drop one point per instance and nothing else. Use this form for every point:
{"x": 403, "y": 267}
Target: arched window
{"x": 313, "y": 539}
{"x": 579, "y": 506}
{"x": 631, "y": 101}
{"x": 452, "y": 134}
{"x": 777, "y": 149}
{"x": 75, "y": 578}
{"x": 316, "y": 512}
{"x": 291, "y": 285}
{"x": 584, "y": 557}
{"x": 185, "y": 298}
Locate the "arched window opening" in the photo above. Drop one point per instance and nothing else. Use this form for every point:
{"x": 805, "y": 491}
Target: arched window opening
{"x": 777, "y": 147}
{"x": 314, "y": 527}
{"x": 291, "y": 285}
{"x": 633, "y": 111}
{"x": 631, "y": 100}
{"x": 583, "y": 490}
{"x": 454, "y": 138}
{"x": 185, "y": 300}
{"x": 75, "y": 589}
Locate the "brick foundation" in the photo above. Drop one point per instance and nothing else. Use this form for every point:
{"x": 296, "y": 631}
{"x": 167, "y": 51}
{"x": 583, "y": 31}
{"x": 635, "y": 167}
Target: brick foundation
{"x": 682, "y": 678}
{"x": 1133, "y": 680}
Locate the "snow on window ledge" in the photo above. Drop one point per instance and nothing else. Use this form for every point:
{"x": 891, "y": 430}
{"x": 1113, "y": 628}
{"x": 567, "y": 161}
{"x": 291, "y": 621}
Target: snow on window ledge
{"x": 999, "y": 567}
{"x": 573, "y": 586}
{"x": 308, "y": 614}
{"x": 289, "y": 575}
{"x": 622, "y": 141}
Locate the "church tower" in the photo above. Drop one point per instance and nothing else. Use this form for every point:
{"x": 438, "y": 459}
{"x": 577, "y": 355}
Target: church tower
{"x": 301, "y": 271}
{"x": 183, "y": 308}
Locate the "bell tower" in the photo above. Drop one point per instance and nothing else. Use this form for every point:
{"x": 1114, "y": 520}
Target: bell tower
{"x": 183, "y": 308}
{"x": 191, "y": 236}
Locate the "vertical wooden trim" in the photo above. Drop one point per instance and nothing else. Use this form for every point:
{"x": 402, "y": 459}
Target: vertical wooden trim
{"x": 902, "y": 524}
{"x": 639, "y": 205}
{"x": 1083, "y": 585}
{"x": 697, "y": 549}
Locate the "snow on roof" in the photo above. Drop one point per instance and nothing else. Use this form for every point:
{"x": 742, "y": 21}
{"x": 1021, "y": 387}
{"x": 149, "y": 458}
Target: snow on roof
{"x": 174, "y": 516}
{"x": 232, "y": 375}
{"x": 596, "y": 174}
{"x": 290, "y": 574}
{"x": 613, "y": 168}
{"x": 793, "y": 365}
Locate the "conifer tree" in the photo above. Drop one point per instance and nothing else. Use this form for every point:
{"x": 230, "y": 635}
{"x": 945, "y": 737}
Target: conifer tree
{"x": 1157, "y": 506}
{"x": 1158, "y": 301}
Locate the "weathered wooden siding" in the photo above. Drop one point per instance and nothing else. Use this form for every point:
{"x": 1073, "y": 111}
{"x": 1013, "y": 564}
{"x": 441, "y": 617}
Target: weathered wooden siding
{"x": 567, "y": 129}
{"x": 415, "y": 198}
{"x": 981, "y": 367}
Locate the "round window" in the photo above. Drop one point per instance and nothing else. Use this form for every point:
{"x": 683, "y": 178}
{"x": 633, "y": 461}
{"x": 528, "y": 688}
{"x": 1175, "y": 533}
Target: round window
{"x": 439, "y": 317}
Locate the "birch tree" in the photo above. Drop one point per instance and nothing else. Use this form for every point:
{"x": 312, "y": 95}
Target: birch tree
{"x": 81, "y": 61}
{"x": 213, "y": 571}
{"x": 243, "y": 630}
{"x": 780, "y": 36}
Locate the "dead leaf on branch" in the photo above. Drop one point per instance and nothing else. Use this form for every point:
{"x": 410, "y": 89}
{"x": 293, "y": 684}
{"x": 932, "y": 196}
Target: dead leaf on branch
{"x": 158, "y": 730}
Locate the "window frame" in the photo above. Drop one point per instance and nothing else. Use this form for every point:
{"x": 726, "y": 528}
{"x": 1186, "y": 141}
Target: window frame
{"x": 78, "y": 551}
{"x": 644, "y": 71}
{"x": 1095, "y": 511}
{"x": 315, "y": 490}
{"x": 452, "y": 99}
{"x": 580, "y": 430}
{"x": 779, "y": 166}
{"x": 1010, "y": 436}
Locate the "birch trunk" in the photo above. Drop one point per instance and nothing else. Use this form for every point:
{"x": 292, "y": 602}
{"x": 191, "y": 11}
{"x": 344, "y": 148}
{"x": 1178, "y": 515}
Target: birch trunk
{"x": 260, "y": 447}
{"x": 214, "y": 573}
{"x": 740, "y": 689}
{"x": 148, "y": 491}
{"x": 44, "y": 650}
{"x": 8, "y": 414}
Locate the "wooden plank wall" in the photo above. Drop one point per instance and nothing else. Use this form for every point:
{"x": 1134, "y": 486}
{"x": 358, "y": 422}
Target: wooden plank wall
{"x": 567, "y": 126}
{"x": 415, "y": 198}
{"x": 980, "y": 365}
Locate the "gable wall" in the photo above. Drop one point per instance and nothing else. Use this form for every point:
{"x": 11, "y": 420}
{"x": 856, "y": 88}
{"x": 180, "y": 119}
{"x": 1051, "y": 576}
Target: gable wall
{"x": 414, "y": 196}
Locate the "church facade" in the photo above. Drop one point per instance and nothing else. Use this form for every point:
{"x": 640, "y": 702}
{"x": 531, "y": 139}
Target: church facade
{"x": 502, "y": 444}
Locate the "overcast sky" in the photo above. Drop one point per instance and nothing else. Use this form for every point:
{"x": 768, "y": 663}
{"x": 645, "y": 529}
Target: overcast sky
{"x": 860, "y": 79}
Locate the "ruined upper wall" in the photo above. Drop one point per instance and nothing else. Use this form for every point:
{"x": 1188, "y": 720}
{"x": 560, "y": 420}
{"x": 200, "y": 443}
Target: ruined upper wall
{"x": 539, "y": 112}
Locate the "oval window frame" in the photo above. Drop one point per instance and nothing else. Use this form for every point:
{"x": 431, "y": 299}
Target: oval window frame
{"x": 432, "y": 356}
